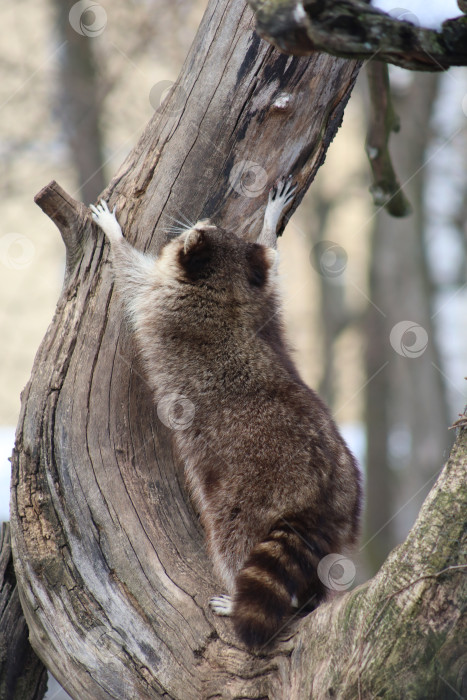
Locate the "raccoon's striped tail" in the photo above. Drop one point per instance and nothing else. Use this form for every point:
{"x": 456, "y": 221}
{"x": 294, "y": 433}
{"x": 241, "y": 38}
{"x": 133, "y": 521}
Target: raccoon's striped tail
{"x": 280, "y": 572}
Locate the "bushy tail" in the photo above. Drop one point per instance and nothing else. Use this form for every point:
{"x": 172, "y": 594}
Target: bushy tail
{"x": 279, "y": 570}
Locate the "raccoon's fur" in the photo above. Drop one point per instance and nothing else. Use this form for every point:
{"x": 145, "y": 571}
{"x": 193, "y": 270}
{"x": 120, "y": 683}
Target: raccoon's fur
{"x": 276, "y": 487}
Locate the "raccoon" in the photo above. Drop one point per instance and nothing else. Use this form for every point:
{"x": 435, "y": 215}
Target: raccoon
{"x": 276, "y": 486}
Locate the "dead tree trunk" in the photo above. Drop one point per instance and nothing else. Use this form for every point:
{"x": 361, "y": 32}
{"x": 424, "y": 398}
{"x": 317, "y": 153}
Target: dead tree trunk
{"x": 109, "y": 556}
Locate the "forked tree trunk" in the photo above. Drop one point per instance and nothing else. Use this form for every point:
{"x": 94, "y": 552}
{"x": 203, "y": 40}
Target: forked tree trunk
{"x": 113, "y": 576}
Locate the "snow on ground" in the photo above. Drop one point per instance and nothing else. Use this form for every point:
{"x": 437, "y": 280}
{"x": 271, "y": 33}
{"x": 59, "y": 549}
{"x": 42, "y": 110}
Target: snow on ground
{"x": 425, "y": 13}
{"x": 7, "y": 439}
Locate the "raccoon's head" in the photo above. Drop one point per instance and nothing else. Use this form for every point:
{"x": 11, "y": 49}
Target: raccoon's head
{"x": 207, "y": 257}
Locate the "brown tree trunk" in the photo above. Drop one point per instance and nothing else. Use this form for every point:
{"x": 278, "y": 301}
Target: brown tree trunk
{"x": 23, "y": 676}
{"x": 109, "y": 556}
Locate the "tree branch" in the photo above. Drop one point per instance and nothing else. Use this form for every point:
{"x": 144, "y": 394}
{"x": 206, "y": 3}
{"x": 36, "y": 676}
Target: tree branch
{"x": 386, "y": 189}
{"x": 355, "y": 29}
{"x": 72, "y": 219}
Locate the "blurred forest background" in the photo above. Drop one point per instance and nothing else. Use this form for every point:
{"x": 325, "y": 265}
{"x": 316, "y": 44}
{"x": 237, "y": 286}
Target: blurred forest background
{"x": 375, "y": 306}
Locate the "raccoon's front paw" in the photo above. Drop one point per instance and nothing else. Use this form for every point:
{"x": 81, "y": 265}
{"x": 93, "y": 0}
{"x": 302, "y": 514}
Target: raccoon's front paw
{"x": 221, "y": 605}
{"x": 283, "y": 192}
{"x": 106, "y": 221}
{"x": 280, "y": 198}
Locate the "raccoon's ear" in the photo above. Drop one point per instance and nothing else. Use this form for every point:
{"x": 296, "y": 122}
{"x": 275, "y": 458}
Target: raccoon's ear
{"x": 261, "y": 262}
{"x": 195, "y": 254}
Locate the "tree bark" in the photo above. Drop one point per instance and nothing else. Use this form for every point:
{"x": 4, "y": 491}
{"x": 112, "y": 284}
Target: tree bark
{"x": 22, "y": 675}
{"x": 113, "y": 576}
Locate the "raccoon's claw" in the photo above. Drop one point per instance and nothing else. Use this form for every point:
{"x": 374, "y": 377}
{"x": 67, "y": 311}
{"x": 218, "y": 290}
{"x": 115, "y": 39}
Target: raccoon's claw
{"x": 221, "y": 605}
{"x": 283, "y": 192}
{"x": 106, "y": 220}
{"x": 280, "y": 198}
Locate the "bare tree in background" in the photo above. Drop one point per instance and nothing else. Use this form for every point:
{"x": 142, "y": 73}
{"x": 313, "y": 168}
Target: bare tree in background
{"x": 85, "y": 76}
{"x": 79, "y": 103}
{"x": 406, "y": 410}
{"x": 329, "y": 259}
{"x": 405, "y": 390}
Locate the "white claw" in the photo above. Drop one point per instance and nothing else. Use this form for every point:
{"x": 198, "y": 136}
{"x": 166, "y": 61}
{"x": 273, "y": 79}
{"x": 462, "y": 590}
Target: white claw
{"x": 280, "y": 198}
{"x": 107, "y": 221}
{"x": 221, "y": 605}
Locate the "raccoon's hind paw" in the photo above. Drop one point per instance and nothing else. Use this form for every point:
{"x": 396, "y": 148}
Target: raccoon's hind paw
{"x": 221, "y": 605}
{"x": 106, "y": 220}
